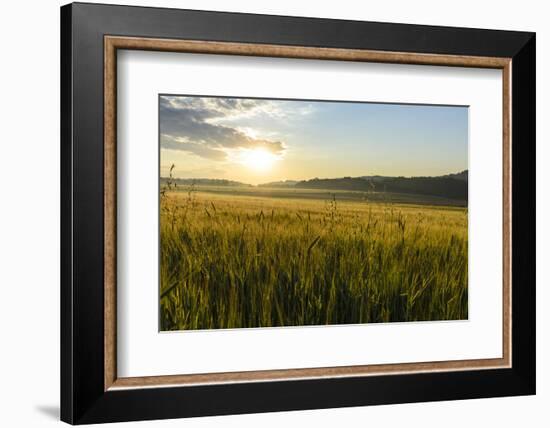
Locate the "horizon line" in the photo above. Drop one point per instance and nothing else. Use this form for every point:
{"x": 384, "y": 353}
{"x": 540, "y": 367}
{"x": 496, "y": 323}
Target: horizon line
{"x": 318, "y": 178}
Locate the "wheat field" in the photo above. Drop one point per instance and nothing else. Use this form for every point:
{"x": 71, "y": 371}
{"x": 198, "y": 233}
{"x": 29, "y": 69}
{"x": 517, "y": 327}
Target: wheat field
{"x": 230, "y": 260}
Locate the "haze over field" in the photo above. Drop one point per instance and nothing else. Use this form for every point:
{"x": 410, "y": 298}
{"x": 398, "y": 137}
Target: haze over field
{"x": 451, "y": 189}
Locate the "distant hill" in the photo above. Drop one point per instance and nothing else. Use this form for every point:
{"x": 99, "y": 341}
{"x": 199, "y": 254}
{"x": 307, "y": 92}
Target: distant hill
{"x": 463, "y": 175}
{"x": 452, "y": 186}
{"x": 375, "y": 178}
{"x": 285, "y": 183}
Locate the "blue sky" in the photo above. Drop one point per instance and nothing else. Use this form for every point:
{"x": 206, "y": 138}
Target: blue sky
{"x": 257, "y": 141}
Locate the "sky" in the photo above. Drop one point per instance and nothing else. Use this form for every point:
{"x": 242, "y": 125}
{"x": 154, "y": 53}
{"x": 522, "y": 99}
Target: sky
{"x": 264, "y": 140}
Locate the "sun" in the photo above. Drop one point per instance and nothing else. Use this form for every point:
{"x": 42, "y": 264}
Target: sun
{"x": 259, "y": 160}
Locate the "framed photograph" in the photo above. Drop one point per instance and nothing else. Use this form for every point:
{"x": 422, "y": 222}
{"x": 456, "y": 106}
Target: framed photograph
{"x": 266, "y": 213}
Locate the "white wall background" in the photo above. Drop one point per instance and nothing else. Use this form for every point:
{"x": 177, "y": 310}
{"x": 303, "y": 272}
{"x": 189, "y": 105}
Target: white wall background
{"x": 29, "y": 214}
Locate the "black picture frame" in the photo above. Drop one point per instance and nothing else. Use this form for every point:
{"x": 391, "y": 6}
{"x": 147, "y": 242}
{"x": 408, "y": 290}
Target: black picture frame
{"x": 83, "y": 398}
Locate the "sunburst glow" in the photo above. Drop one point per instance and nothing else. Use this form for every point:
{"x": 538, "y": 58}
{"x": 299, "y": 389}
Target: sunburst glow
{"x": 259, "y": 160}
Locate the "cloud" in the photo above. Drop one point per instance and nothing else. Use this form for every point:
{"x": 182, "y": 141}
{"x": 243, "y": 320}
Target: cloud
{"x": 202, "y": 150}
{"x": 200, "y": 126}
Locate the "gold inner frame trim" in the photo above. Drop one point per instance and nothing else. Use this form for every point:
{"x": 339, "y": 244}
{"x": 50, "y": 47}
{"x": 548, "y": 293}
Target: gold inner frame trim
{"x": 113, "y": 43}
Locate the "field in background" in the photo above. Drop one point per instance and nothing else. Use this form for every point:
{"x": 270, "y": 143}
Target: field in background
{"x": 249, "y": 257}
{"x": 322, "y": 194}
